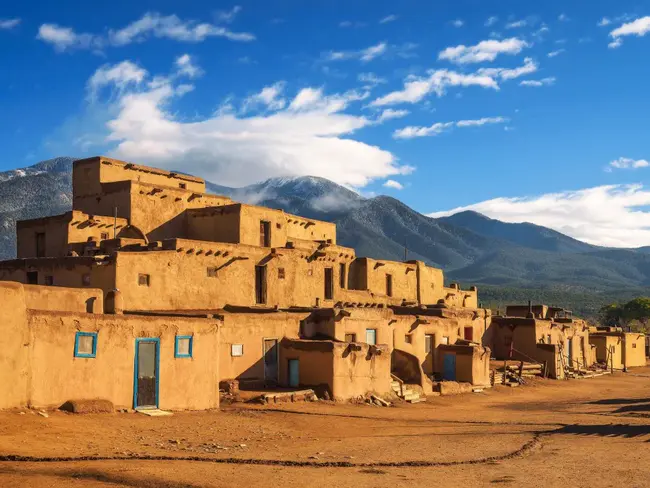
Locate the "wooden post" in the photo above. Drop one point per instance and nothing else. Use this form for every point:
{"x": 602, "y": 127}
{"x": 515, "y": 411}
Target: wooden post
{"x": 505, "y": 368}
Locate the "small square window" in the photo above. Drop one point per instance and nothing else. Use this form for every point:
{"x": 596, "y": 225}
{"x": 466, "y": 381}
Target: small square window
{"x": 182, "y": 186}
{"x": 85, "y": 279}
{"x": 85, "y": 345}
{"x": 407, "y": 338}
{"x": 144, "y": 279}
{"x": 633, "y": 345}
{"x": 49, "y": 280}
{"x": 212, "y": 272}
{"x": 183, "y": 348}
{"x": 236, "y": 350}
{"x": 278, "y": 225}
{"x": 280, "y": 273}
{"x": 104, "y": 236}
{"x": 350, "y": 338}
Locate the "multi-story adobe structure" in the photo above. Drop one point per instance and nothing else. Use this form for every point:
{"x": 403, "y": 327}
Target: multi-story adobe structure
{"x": 159, "y": 284}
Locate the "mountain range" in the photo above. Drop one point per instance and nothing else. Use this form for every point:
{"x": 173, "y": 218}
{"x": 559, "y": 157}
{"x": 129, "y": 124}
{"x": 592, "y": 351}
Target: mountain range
{"x": 509, "y": 261}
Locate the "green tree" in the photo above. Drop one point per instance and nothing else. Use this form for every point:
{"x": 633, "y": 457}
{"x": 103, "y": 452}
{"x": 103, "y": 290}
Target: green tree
{"x": 637, "y": 312}
{"x": 611, "y": 315}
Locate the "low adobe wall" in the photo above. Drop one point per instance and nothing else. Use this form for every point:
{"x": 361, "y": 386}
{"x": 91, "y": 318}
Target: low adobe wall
{"x": 348, "y": 370}
{"x": 56, "y": 375}
{"x": 38, "y": 366}
{"x": 472, "y": 363}
{"x": 85, "y": 300}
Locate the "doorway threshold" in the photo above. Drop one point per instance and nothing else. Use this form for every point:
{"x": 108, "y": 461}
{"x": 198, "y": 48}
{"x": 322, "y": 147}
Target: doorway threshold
{"x": 154, "y": 412}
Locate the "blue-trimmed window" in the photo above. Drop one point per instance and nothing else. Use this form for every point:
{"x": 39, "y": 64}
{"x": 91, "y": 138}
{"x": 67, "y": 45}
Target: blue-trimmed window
{"x": 85, "y": 345}
{"x": 183, "y": 346}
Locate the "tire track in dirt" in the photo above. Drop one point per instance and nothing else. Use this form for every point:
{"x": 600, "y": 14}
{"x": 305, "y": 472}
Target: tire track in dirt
{"x": 534, "y": 444}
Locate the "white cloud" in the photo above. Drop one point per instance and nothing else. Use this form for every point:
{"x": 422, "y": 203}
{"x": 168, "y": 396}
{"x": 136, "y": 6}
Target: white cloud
{"x": 172, "y": 27}
{"x": 610, "y": 215}
{"x": 120, "y": 76}
{"x": 628, "y": 163}
{"x": 552, "y": 54}
{"x": 186, "y": 66}
{"x": 604, "y": 22}
{"x": 6, "y": 24}
{"x": 411, "y": 132}
{"x": 437, "y": 81}
{"x": 483, "y": 51}
{"x": 228, "y": 16}
{"x": 616, "y": 43}
{"x": 64, "y": 38}
{"x": 563, "y": 17}
{"x": 517, "y": 24}
{"x": 529, "y": 66}
{"x": 365, "y": 55}
{"x": 389, "y": 113}
{"x": 491, "y": 21}
{"x": 395, "y": 185}
{"x": 639, "y": 27}
{"x": 537, "y": 83}
{"x": 270, "y": 97}
{"x": 151, "y": 24}
{"x": 347, "y": 23}
{"x": 388, "y": 18}
{"x": 313, "y": 135}
{"x": 371, "y": 79}
{"x": 458, "y": 23}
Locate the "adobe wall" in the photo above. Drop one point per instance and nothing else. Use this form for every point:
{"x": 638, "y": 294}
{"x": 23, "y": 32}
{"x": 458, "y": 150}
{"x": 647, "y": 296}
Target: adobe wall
{"x": 81, "y": 300}
{"x": 159, "y": 211}
{"x": 217, "y": 224}
{"x": 58, "y": 376}
{"x": 349, "y": 371}
{"x": 62, "y": 232}
{"x": 634, "y": 349}
{"x": 370, "y": 274}
{"x": 180, "y": 280}
{"x": 88, "y": 172}
{"x": 628, "y": 348}
{"x": 472, "y": 363}
{"x": 250, "y": 330}
{"x": 309, "y": 229}
{"x": 104, "y": 199}
{"x": 526, "y": 334}
{"x": 316, "y": 364}
{"x": 15, "y": 370}
{"x": 68, "y": 271}
{"x": 431, "y": 283}
{"x": 56, "y": 235}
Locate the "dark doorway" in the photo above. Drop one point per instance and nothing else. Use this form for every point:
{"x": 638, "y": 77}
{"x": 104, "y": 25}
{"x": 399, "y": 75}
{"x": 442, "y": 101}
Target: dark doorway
{"x": 428, "y": 351}
{"x": 389, "y": 285}
{"x": 265, "y": 233}
{"x": 260, "y": 284}
{"x": 329, "y": 283}
{"x": 147, "y": 361}
{"x": 32, "y": 277}
{"x": 343, "y": 279}
{"x": 40, "y": 244}
{"x": 469, "y": 333}
{"x": 271, "y": 362}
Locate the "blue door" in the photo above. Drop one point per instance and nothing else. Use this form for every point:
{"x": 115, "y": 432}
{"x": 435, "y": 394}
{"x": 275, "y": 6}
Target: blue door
{"x": 294, "y": 373}
{"x": 449, "y": 367}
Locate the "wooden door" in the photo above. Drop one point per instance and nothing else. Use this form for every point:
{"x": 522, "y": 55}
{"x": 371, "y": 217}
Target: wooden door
{"x": 294, "y": 373}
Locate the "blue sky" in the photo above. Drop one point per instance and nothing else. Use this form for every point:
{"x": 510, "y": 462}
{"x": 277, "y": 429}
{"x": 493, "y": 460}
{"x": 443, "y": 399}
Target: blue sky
{"x": 531, "y": 111}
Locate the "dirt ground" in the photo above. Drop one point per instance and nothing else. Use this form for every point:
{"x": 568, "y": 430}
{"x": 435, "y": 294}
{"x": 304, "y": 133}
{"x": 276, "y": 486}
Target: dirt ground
{"x": 591, "y": 432}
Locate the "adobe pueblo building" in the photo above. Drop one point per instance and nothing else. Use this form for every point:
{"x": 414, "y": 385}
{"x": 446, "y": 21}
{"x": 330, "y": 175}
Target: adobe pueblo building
{"x": 152, "y": 293}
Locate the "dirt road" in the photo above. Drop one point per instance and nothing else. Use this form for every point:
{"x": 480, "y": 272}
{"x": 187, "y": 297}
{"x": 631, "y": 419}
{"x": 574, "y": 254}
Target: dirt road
{"x": 593, "y": 432}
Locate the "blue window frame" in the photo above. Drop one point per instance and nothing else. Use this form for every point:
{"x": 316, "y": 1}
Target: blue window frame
{"x": 183, "y": 346}
{"x": 85, "y": 345}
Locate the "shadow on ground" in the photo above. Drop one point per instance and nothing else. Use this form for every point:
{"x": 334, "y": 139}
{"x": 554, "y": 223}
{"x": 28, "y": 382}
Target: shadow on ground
{"x": 610, "y": 430}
